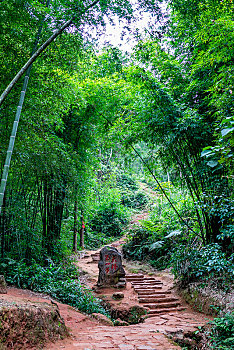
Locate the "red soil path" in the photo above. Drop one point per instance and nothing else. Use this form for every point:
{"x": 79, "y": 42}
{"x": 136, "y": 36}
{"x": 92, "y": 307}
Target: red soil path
{"x": 89, "y": 334}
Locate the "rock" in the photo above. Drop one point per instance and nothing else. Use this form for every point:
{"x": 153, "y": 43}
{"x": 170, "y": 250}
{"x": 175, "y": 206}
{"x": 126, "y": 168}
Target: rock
{"x": 103, "y": 319}
{"x": 118, "y": 296}
{"x": 120, "y": 285}
{"x": 111, "y": 271}
{"x": 120, "y": 322}
{"x": 3, "y": 285}
{"x": 25, "y": 324}
{"x": 136, "y": 314}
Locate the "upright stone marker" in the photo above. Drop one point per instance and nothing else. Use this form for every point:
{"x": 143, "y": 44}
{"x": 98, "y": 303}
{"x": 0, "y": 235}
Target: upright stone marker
{"x": 3, "y": 286}
{"x": 111, "y": 272}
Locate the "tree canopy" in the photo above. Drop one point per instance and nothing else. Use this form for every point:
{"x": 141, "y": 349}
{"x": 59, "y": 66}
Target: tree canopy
{"x": 89, "y": 111}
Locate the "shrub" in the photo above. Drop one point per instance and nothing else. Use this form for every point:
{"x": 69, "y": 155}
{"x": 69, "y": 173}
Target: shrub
{"x": 221, "y": 334}
{"x": 56, "y": 280}
{"x": 134, "y": 200}
{"x": 109, "y": 219}
{"x": 137, "y": 245}
{"x": 149, "y": 243}
{"x": 125, "y": 181}
{"x": 97, "y": 239}
{"x": 192, "y": 263}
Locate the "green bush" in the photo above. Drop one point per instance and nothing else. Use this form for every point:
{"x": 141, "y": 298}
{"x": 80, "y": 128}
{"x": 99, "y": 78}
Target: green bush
{"x": 58, "y": 281}
{"x": 109, "y": 219}
{"x": 134, "y": 200}
{"x": 149, "y": 243}
{"x": 97, "y": 239}
{"x": 191, "y": 263}
{"x": 157, "y": 237}
{"x": 137, "y": 245}
{"x": 221, "y": 334}
{"x": 131, "y": 195}
{"x": 125, "y": 181}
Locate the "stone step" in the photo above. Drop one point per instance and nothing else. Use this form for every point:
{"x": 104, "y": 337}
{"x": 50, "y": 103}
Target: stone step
{"x": 95, "y": 257}
{"x": 139, "y": 290}
{"x": 147, "y": 283}
{"x": 149, "y": 279}
{"x": 156, "y": 286}
{"x": 161, "y": 305}
{"x": 122, "y": 279}
{"x": 153, "y": 293}
{"x": 134, "y": 275}
{"x": 142, "y": 280}
{"x": 160, "y": 299}
{"x": 137, "y": 283}
{"x": 134, "y": 280}
{"x": 153, "y": 313}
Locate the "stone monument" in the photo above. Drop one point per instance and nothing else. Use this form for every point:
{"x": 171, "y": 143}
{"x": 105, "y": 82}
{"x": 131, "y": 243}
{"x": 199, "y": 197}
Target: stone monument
{"x": 111, "y": 272}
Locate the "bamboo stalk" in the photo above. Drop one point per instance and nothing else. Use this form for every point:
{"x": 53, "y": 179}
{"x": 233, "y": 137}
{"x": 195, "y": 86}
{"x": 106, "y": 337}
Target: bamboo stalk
{"x": 39, "y": 51}
{"x": 17, "y": 118}
{"x": 26, "y": 68}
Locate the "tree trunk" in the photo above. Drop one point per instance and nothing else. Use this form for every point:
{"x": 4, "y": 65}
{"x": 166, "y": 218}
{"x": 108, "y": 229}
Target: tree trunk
{"x": 2, "y": 229}
{"x": 75, "y": 228}
{"x": 82, "y": 231}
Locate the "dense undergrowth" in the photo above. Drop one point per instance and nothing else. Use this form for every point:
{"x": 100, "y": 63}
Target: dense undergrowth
{"x": 164, "y": 109}
{"x": 59, "y": 281}
{"x": 221, "y": 333}
{"x": 109, "y": 218}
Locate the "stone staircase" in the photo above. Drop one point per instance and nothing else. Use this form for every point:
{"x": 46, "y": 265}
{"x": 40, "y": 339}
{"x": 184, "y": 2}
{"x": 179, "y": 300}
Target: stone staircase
{"x": 154, "y": 295}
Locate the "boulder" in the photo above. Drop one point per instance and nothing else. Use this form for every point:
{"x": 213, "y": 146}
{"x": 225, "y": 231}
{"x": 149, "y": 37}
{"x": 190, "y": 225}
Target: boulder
{"x": 111, "y": 271}
{"x": 25, "y": 325}
{"x": 102, "y": 319}
{"x": 120, "y": 322}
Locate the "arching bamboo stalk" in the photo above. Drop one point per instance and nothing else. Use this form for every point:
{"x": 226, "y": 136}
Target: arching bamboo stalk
{"x": 27, "y": 68}
{"x": 39, "y": 51}
{"x": 17, "y": 118}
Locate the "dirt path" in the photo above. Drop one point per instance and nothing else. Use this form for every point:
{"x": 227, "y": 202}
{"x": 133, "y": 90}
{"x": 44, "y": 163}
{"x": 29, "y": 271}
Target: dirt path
{"x": 169, "y": 315}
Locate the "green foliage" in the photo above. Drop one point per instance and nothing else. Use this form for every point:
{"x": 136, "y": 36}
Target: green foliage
{"x": 134, "y": 200}
{"x": 185, "y": 105}
{"x": 156, "y": 238}
{"x": 97, "y": 239}
{"x": 193, "y": 263}
{"x": 131, "y": 195}
{"x": 60, "y": 282}
{"x": 109, "y": 219}
{"x": 222, "y": 153}
{"x": 146, "y": 245}
{"x": 221, "y": 333}
{"x": 126, "y": 181}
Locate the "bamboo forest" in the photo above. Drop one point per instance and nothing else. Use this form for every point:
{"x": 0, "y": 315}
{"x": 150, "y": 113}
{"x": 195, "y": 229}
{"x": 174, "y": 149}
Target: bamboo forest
{"x": 117, "y": 174}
